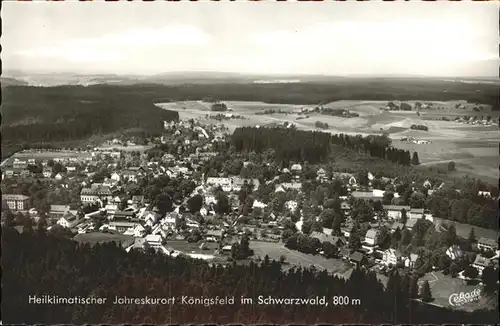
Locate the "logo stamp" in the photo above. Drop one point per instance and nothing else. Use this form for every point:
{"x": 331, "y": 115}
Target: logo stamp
{"x": 459, "y": 299}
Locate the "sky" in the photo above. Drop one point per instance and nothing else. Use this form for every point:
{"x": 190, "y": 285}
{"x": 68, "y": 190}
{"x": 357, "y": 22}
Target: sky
{"x": 324, "y": 38}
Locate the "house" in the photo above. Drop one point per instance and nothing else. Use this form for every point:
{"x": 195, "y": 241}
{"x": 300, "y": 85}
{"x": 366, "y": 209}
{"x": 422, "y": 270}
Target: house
{"x": 238, "y": 182}
{"x": 392, "y": 257}
{"x": 416, "y": 213}
{"x": 410, "y": 224}
{"x": 345, "y": 207}
{"x": 151, "y": 218}
{"x": 292, "y": 185}
{"x": 130, "y": 175}
{"x": 115, "y": 177}
{"x": 155, "y": 241}
{"x": 95, "y": 194}
{"x": 258, "y": 204}
{"x": 352, "y": 181}
{"x": 322, "y": 237}
{"x": 397, "y": 225}
{"x": 279, "y": 188}
{"x": 365, "y": 195}
{"x": 454, "y": 252}
{"x": 371, "y": 240}
{"x": 227, "y": 249}
{"x": 410, "y": 260}
{"x": 225, "y": 183}
{"x": 68, "y": 221}
{"x": 344, "y": 252}
{"x": 123, "y": 226}
{"x": 47, "y": 172}
{"x": 291, "y": 205}
{"x": 213, "y": 235}
{"x": 481, "y": 263}
{"x": 137, "y": 200}
{"x": 58, "y": 210}
{"x": 59, "y": 176}
{"x": 487, "y": 244}
{"x": 321, "y": 174}
{"x": 372, "y": 237}
{"x": 111, "y": 208}
{"x": 484, "y": 194}
{"x": 296, "y": 168}
{"x": 16, "y": 202}
{"x": 71, "y": 169}
{"x": 357, "y": 258}
{"x": 124, "y": 215}
{"x": 394, "y": 211}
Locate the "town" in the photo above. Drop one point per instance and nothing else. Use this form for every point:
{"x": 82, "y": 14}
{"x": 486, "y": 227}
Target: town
{"x": 179, "y": 195}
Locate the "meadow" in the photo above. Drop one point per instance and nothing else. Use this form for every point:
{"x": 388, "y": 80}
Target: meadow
{"x": 473, "y": 148}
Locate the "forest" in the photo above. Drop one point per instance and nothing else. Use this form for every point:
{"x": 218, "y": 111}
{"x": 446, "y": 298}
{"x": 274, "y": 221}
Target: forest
{"x": 34, "y": 115}
{"x": 322, "y": 92}
{"x": 292, "y": 146}
{"x": 106, "y": 270}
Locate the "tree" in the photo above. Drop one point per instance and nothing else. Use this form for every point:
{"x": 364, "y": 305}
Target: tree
{"x": 195, "y": 203}
{"x": 471, "y": 272}
{"x": 195, "y": 236}
{"x": 42, "y": 225}
{"x": 489, "y": 278}
{"x": 425, "y": 292}
{"x": 329, "y": 250}
{"x": 404, "y": 216}
{"x": 307, "y": 226}
{"x": 337, "y": 222}
{"x": 413, "y": 291}
{"x": 222, "y": 206}
{"x": 387, "y": 198}
{"x": 163, "y": 203}
{"x": 327, "y": 217}
{"x": 355, "y": 237}
{"x": 451, "y": 166}
{"x": 396, "y": 238}
{"x": 472, "y": 236}
{"x": 417, "y": 200}
{"x": 414, "y": 159}
{"x": 9, "y": 218}
{"x": 123, "y": 204}
{"x": 454, "y": 269}
{"x": 28, "y": 225}
{"x": 450, "y": 236}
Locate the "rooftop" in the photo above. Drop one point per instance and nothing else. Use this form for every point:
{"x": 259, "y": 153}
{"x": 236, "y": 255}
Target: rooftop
{"x": 14, "y": 197}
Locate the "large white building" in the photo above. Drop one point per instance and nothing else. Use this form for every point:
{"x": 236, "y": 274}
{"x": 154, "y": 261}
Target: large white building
{"x": 16, "y": 202}
{"x": 154, "y": 240}
{"x": 95, "y": 194}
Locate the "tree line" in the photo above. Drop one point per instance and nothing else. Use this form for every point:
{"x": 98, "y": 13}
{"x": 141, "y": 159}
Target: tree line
{"x": 291, "y": 145}
{"x": 64, "y": 113}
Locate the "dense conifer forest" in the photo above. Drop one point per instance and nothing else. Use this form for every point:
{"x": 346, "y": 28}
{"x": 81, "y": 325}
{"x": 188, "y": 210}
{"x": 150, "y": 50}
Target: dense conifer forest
{"x": 35, "y": 263}
{"x": 67, "y": 113}
{"x": 291, "y": 145}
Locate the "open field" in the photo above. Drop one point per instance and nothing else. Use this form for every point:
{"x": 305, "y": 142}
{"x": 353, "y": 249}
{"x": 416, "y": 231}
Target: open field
{"x": 191, "y": 248}
{"x": 129, "y": 148}
{"x": 464, "y": 229}
{"x": 275, "y": 250}
{"x": 50, "y": 155}
{"x": 100, "y": 237}
{"x": 473, "y": 148}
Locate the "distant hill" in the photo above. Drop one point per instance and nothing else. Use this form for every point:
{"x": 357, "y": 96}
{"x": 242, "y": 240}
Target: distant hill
{"x": 213, "y": 77}
{"x": 5, "y": 81}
